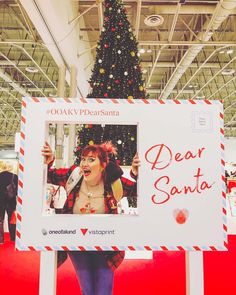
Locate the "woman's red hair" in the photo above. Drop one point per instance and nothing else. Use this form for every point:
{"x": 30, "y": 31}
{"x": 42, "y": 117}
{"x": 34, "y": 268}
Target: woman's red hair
{"x": 102, "y": 151}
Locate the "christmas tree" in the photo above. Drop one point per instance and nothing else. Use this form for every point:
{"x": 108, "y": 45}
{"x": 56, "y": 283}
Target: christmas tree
{"x": 117, "y": 72}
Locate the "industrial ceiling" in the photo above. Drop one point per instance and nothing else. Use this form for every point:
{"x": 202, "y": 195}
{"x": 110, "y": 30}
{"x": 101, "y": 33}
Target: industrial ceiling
{"x": 187, "y": 48}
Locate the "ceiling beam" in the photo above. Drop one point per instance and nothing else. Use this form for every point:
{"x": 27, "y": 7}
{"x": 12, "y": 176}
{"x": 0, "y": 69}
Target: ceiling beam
{"x": 222, "y": 11}
{"x": 61, "y": 38}
{"x": 7, "y": 78}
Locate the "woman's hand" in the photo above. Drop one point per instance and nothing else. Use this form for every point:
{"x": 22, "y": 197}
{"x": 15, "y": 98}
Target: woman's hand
{"x": 47, "y": 153}
{"x": 135, "y": 164}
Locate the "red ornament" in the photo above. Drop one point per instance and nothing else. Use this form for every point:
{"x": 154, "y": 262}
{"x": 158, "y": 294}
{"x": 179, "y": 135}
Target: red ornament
{"x": 130, "y": 82}
{"x": 117, "y": 81}
{"x": 120, "y": 24}
{"x": 105, "y": 94}
{"x": 90, "y": 126}
{"x": 113, "y": 29}
{"x": 108, "y": 5}
{"x": 106, "y": 45}
{"x": 102, "y": 84}
{"x": 106, "y": 18}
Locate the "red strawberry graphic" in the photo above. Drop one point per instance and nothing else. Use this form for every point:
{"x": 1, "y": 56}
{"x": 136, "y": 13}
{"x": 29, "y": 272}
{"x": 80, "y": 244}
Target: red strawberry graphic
{"x": 181, "y": 215}
{"x": 84, "y": 231}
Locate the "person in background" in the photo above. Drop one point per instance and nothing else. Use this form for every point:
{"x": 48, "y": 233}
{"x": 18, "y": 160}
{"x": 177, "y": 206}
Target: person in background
{"x": 95, "y": 193}
{"x": 8, "y": 193}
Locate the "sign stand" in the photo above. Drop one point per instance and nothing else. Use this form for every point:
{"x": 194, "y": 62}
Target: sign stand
{"x": 48, "y": 273}
{"x": 194, "y": 273}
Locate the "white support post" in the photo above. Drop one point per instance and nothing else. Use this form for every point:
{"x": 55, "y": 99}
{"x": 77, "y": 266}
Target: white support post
{"x": 194, "y": 273}
{"x": 48, "y": 273}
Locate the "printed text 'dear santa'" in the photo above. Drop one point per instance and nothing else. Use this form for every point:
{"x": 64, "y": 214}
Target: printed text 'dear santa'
{"x": 161, "y": 156}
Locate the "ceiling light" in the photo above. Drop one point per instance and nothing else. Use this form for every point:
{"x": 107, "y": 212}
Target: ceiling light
{"x": 142, "y": 50}
{"x": 200, "y": 96}
{"x": 31, "y": 69}
{"x": 229, "y": 51}
{"x": 228, "y": 72}
{"x": 154, "y": 20}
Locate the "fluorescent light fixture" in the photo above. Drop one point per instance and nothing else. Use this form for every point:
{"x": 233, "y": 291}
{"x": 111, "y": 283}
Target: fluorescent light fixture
{"x": 228, "y": 72}
{"x": 229, "y": 51}
{"x": 31, "y": 69}
{"x": 200, "y": 96}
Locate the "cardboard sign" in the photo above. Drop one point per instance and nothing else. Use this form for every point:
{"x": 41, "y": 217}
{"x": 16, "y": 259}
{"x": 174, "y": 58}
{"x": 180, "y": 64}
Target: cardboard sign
{"x": 181, "y": 198}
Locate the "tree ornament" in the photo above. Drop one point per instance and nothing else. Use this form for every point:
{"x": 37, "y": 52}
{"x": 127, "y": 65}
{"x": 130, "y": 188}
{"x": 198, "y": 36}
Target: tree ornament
{"x": 131, "y": 38}
{"x": 118, "y": 10}
{"x": 130, "y": 97}
{"x": 120, "y": 24}
{"x": 110, "y": 8}
{"x": 103, "y": 29}
{"x": 130, "y": 82}
{"x": 138, "y": 54}
{"x": 113, "y": 66}
{"x": 91, "y": 142}
{"x": 119, "y": 51}
{"x": 117, "y": 81}
{"x": 108, "y": 87}
{"x": 110, "y": 76}
{"x": 113, "y": 29}
{"x": 100, "y": 61}
{"x": 102, "y": 84}
{"x": 126, "y": 73}
{"x": 102, "y": 71}
{"x": 132, "y": 53}
{"x": 105, "y": 94}
{"x": 118, "y": 36}
{"x": 140, "y": 88}
{"x": 106, "y": 45}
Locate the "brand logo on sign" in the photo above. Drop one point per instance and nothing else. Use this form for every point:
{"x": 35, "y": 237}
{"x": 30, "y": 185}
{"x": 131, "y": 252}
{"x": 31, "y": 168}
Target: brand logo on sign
{"x": 44, "y": 231}
{"x": 84, "y": 231}
{"x": 97, "y": 232}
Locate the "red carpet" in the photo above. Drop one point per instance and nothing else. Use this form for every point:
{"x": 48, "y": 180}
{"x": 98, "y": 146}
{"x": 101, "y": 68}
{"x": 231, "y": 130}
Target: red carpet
{"x": 164, "y": 275}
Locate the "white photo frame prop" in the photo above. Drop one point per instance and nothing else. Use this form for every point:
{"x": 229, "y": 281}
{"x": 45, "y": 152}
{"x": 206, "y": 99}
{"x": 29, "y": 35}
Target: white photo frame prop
{"x": 181, "y": 188}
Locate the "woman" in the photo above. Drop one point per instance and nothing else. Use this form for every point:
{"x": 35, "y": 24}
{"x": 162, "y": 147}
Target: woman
{"x": 8, "y": 203}
{"x": 94, "y": 193}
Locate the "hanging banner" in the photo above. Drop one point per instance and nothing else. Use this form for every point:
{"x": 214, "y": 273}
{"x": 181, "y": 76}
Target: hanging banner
{"x": 179, "y": 192}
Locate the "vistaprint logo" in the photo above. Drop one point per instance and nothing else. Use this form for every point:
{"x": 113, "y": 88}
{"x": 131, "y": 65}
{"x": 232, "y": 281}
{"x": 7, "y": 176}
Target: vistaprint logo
{"x": 58, "y": 232}
{"x": 86, "y": 231}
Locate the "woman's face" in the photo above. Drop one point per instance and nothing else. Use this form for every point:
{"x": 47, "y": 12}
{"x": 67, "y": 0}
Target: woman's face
{"x": 91, "y": 168}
